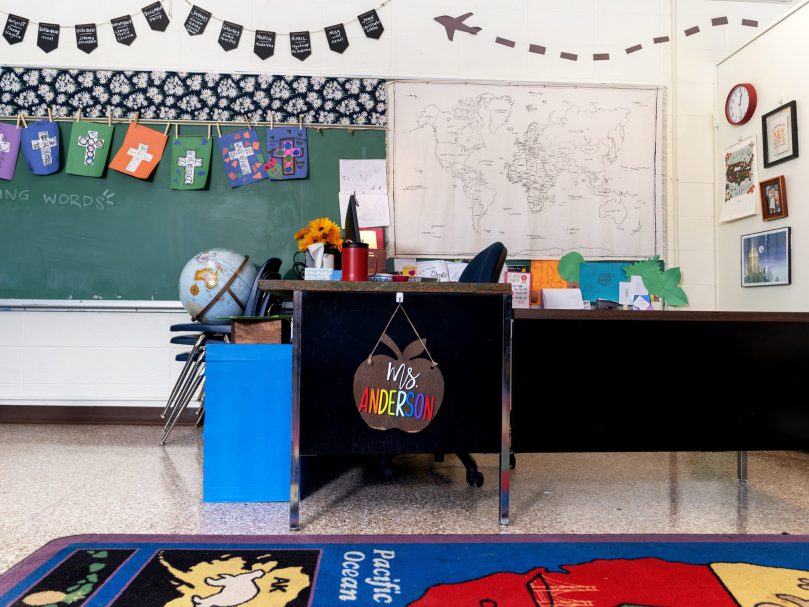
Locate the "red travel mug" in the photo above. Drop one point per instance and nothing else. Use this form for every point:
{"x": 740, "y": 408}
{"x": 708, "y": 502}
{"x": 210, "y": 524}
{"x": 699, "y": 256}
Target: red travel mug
{"x": 355, "y": 261}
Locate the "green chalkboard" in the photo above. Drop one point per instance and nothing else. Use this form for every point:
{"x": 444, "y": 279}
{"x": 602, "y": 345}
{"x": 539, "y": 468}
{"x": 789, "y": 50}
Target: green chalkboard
{"x": 117, "y": 237}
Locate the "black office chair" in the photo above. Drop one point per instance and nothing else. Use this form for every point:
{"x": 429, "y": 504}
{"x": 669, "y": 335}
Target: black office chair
{"x": 191, "y": 380}
{"x": 486, "y": 267}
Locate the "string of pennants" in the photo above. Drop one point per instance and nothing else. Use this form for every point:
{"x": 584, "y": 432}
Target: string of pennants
{"x": 88, "y": 147}
{"x": 196, "y": 23}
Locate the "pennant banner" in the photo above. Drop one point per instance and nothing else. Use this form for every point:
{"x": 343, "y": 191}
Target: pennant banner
{"x": 140, "y": 153}
{"x": 371, "y": 24}
{"x": 230, "y": 35}
{"x": 87, "y": 37}
{"x": 264, "y": 45}
{"x": 288, "y": 157}
{"x": 156, "y": 17}
{"x": 9, "y": 147}
{"x": 15, "y": 28}
{"x": 48, "y": 36}
{"x": 197, "y": 20}
{"x": 336, "y": 37}
{"x": 300, "y": 44}
{"x": 242, "y": 156}
{"x": 191, "y": 159}
{"x": 40, "y": 147}
{"x": 88, "y": 148}
{"x": 124, "y": 30}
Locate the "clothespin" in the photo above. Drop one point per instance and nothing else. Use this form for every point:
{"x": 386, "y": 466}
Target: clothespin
{"x": 18, "y": 120}
{"x": 218, "y": 130}
{"x": 176, "y": 131}
{"x": 319, "y": 130}
{"x": 135, "y": 119}
{"x": 50, "y": 115}
{"x": 209, "y": 130}
{"x": 109, "y": 116}
{"x": 272, "y": 121}
{"x": 166, "y": 130}
{"x": 78, "y": 115}
{"x": 24, "y": 123}
{"x": 300, "y": 122}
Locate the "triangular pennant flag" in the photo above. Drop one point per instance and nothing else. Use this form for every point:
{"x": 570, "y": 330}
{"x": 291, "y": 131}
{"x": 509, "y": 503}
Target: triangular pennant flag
{"x": 191, "y": 159}
{"x": 88, "y": 148}
{"x": 40, "y": 147}
{"x": 48, "y": 36}
{"x": 241, "y": 153}
{"x": 124, "y": 29}
{"x": 230, "y": 35}
{"x": 197, "y": 20}
{"x": 300, "y": 44}
{"x": 86, "y": 37}
{"x": 371, "y": 24}
{"x": 156, "y": 17}
{"x": 337, "y": 38}
{"x": 9, "y": 147}
{"x": 15, "y": 28}
{"x": 140, "y": 153}
{"x": 264, "y": 45}
{"x": 287, "y": 154}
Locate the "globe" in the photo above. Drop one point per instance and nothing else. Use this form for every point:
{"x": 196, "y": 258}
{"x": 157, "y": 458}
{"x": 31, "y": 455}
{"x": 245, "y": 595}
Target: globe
{"x": 215, "y": 284}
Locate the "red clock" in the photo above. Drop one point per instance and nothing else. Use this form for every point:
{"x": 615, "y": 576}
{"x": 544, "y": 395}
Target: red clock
{"x": 741, "y": 103}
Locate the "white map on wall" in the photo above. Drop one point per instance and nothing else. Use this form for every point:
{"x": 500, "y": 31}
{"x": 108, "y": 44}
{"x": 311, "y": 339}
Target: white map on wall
{"x": 546, "y": 169}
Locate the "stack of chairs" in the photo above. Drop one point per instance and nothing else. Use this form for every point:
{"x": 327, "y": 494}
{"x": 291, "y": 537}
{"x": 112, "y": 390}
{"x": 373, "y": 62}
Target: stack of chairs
{"x": 191, "y": 381}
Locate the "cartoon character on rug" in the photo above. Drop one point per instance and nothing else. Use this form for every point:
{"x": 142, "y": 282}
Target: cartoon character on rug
{"x": 236, "y": 590}
{"x": 644, "y": 582}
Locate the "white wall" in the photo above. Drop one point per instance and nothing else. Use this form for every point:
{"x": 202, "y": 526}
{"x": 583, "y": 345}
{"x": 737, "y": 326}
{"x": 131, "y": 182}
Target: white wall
{"x": 772, "y": 63}
{"x": 413, "y": 45}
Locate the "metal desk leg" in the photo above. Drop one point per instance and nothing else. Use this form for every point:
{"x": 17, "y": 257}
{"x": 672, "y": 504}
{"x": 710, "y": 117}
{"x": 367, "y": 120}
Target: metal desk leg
{"x": 505, "y": 436}
{"x": 295, "y": 453}
{"x": 741, "y": 466}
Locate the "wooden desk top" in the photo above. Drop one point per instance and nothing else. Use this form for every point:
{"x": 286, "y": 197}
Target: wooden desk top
{"x": 658, "y": 315}
{"x": 385, "y": 287}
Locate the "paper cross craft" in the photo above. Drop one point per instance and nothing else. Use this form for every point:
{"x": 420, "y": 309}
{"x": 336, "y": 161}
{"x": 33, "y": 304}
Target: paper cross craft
{"x": 287, "y": 154}
{"x": 40, "y": 147}
{"x": 140, "y": 152}
{"x": 9, "y": 148}
{"x": 88, "y": 148}
{"x": 191, "y": 162}
{"x": 241, "y": 153}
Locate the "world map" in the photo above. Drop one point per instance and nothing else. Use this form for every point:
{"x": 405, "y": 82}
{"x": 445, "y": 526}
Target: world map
{"x": 546, "y": 169}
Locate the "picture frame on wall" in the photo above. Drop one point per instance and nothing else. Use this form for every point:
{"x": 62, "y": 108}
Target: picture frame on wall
{"x": 773, "y": 198}
{"x": 766, "y": 258}
{"x": 780, "y": 133}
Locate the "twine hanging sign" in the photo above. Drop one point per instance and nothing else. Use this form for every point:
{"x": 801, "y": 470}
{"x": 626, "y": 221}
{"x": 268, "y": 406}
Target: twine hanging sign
{"x": 405, "y": 392}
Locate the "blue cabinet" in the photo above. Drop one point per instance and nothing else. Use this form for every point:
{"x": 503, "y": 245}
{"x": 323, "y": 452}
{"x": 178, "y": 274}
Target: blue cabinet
{"x": 247, "y": 423}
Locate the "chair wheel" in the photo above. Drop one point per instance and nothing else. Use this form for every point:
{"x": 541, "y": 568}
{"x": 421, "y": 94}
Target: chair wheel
{"x": 474, "y": 478}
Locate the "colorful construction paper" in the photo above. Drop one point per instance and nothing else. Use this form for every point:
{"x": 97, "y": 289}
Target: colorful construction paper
{"x": 40, "y": 147}
{"x": 9, "y": 148}
{"x": 141, "y": 152}
{"x": 191, "y": 162}
{"x": 545, "y": 275}
{"x": 88, "y": 148}
{"x": 600, "y": 279}
{"x": 287, "y": 154}
{"x": 242, "y": 156}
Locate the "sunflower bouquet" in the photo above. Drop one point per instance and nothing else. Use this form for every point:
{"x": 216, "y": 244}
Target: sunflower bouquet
{"x": 322, "y": 230}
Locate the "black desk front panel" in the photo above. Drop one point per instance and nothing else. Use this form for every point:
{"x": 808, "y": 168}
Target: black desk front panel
{"x": 464, "y": 334}
{"x": 659, "y": 385}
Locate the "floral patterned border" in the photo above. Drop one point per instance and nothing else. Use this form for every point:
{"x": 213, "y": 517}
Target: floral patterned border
{"x": 192, "y": 96}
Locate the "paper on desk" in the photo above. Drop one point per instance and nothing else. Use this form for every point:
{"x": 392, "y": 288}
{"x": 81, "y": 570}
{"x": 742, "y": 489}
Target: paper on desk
{"x": 455, "y": 269}
{"x": 562, "y": 299}
{"x": 599, "y": 280}
{"x": 363, "y": 176}
{"x": 372, "y": 209}
{"x": 436, "y": 268}
{"x": 630, "y": 290}
{"x": 400, "y": 263}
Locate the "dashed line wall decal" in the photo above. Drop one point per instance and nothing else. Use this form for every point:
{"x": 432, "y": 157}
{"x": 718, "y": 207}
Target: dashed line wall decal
{"x": 692, "y": 30}
{"x": 505, "y": 42}
{"x": 719, "y": 21}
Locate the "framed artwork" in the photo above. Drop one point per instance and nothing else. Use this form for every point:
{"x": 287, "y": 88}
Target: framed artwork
{"x": 373, "y": 237}
{"x": 780, "y": 133}
{"x": 773, "y": 198}
{"x": 741, "y": 180}
{"x": 766, "y": 258}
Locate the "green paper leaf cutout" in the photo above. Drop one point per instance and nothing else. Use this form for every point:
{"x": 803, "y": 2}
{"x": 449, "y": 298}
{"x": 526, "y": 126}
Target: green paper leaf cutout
{"x": 100, "y": 555}
{"x": 92, "y": 578}
{"x": 96, "y": 567}
{"x": 569, "y": 266}
{"x": 663, "y": 284}
{"x": 73, "y": 587}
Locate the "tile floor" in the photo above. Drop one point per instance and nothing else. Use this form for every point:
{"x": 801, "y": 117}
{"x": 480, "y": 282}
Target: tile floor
{"x": 64, "y": 480}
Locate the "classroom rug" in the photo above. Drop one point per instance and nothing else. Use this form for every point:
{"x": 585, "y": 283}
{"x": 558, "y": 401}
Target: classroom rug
{"x": 435, "y": 571}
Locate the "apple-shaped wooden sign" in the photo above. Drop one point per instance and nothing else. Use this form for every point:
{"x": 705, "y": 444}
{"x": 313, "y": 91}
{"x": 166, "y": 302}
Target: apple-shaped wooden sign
{"x": 403, "y": 392}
